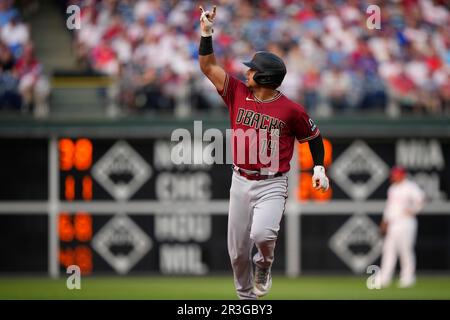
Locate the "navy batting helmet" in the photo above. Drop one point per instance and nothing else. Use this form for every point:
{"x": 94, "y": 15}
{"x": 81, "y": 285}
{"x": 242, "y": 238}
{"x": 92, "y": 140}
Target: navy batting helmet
{"x": 270, "y": 69}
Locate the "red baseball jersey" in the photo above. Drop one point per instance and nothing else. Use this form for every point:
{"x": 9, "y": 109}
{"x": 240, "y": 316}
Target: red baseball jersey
{"x": 264, "y": 130}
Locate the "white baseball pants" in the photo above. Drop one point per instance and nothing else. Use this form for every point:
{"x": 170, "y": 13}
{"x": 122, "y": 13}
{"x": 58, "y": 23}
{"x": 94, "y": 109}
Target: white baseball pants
{"x": 256, "y": 209}
{"x": 399, "y": 242}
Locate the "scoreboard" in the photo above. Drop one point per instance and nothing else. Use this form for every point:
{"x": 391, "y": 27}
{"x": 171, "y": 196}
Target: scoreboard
{"x": 139, "y": 238}
{"x": 136, "y": 169}
{"x": 122, "y": 206}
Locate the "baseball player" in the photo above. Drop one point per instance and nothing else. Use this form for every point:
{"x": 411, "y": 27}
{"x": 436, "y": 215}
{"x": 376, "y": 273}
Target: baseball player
{"x": 405, "y": 199}
{"x": 259, "y": 188}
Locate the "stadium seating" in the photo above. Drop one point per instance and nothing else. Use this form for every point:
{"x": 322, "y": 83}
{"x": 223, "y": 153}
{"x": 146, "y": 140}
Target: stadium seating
{"x": 335, "y": 63}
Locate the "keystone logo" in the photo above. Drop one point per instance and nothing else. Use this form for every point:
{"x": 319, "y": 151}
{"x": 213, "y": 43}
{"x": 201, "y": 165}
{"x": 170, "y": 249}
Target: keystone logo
{"x": 122, "y": 243}
{"x": 121, "y": 171}
{"x": 357, "y": 242}
{"x": 359, "y": 171}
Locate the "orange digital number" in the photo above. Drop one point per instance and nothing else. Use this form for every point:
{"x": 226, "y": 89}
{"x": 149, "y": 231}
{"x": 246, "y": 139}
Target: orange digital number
{"x": 83, "y": 258}
{"x": 80, "y": 227}
{"x": 66, "y": 154}
{"x": 86, "y": 190}
{"x": 83, "y": 154}
{"x": 69, "y": 191}
{"x": 65, "y": 227}
{"x": 77, "y": 154}
{"x": 83, "y": 226}
{"x": 66, "y": 257}
{"x": 77, "y": 227}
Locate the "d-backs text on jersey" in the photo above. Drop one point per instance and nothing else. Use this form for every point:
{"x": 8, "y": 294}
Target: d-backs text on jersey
{"x": 259, "y": 121}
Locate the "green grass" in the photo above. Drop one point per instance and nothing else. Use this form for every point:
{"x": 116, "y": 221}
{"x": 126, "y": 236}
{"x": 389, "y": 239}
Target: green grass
{"x": 217, "y": 288}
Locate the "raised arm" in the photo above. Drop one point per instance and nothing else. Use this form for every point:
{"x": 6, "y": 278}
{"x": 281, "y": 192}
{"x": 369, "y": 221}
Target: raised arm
{"x": 207, "y": 60}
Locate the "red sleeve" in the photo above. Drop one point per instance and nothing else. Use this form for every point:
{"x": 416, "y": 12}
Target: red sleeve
{"x": 230, "y": 89}
{"x": 304, "y": 127}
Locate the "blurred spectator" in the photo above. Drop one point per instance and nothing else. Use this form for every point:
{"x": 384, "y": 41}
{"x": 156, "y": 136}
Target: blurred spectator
{"x": 15, "y": 34}
{"x": 334, "y": 59}
{"x": 33, "y": 86}
{"x": 336, "y": 85}
{"x": 7, "y": 12}
{"x": 403, "y": 92}
{"x": 311, "y": 85}
{"x": 141, "y": 89}
{"x": 9, "y": 93}
{"x": 23, "y": 87}
{"x": 104, "y": 59}
{"x": 7, "y": 59}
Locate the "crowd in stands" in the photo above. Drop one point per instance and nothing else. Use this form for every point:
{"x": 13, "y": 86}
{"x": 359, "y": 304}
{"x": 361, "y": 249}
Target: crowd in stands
{"x": 335, "y": 62}
{"x": 22, "y": 84}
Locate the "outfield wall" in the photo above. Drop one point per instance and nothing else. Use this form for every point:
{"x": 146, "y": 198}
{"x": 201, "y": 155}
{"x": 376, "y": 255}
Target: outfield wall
{"x": 107, "y": 197}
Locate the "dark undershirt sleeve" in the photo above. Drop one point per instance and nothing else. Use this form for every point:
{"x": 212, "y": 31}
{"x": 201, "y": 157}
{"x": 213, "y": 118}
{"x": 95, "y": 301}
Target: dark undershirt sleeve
{"x": 317, "y": 150}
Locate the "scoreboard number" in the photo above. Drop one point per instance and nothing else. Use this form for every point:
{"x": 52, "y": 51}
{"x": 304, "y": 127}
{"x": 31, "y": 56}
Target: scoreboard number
{"x": 75, "y": 230}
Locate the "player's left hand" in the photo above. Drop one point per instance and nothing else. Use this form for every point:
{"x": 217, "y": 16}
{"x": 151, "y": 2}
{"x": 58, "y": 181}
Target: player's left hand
{"x": 319, "y": 179}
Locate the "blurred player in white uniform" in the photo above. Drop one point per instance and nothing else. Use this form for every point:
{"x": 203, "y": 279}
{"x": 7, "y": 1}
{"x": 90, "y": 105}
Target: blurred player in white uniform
{"x": 404, "y": 200}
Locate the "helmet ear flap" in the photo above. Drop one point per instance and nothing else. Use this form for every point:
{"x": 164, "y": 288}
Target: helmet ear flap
{"x": 257, "y": 78}
{"x": 264, "y": 79}
{"x": 260, "y": 78}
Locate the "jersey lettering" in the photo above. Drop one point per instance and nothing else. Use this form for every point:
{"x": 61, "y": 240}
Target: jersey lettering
{"x": 248, "y": 116}
{"x": 239, "y": 116}
{"x": 257, "y": 120}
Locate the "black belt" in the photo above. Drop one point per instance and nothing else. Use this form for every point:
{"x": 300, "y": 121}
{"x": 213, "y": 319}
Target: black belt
{"x": 256, "y": 175}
